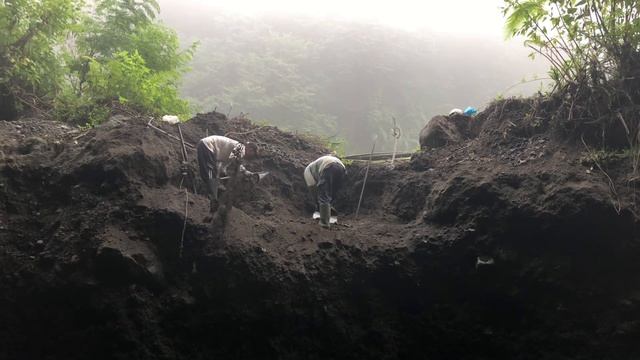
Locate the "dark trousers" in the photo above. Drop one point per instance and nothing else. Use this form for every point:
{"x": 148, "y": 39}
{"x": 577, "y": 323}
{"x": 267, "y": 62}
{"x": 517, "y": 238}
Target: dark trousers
{"x": 331, "y": 180}
{"x": 206, "y": 162}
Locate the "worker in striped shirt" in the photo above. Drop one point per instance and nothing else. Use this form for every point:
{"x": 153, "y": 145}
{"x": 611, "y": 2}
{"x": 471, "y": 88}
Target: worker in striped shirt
{"x": 326, "y": 175}
{"x": 215, "y": 155}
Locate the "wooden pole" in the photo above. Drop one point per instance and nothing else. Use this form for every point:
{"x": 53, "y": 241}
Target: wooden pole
{"x": 364, "y": 182}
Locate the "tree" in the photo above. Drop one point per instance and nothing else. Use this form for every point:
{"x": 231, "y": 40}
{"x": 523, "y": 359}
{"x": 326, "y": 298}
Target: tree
{"x": 29, "y": 64}
{"x": 590, "y": 40}
{"x": 594, "y": 49}
{"x": 80, "y": 59}
{"x": 122, "y": 53}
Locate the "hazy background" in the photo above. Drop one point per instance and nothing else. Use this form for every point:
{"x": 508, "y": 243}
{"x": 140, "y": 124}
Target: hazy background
{"x": 342, "y": 69}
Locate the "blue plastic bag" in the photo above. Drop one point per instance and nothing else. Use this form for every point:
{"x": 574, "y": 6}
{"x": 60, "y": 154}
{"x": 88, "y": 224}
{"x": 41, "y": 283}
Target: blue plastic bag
{"x": 470, "y": 111}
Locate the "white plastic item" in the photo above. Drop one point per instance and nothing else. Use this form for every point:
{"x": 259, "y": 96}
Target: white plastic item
{"x": 332, "y": 219}
{"x": 456, "y": 111}
{"x": 171, "y": 119}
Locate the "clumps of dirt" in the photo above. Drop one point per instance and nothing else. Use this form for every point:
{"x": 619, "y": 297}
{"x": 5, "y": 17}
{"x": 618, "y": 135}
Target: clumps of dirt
{"x": 501, "y": 246}
{"x": 513, "y": 117}
{"x": 501, "y": 121}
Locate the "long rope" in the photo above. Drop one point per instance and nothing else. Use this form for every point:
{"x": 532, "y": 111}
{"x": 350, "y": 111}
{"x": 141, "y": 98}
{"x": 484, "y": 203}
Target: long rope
{"x": 366, "y": 174}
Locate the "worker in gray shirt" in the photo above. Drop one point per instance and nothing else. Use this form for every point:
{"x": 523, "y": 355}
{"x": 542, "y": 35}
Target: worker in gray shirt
{"x": 326, "y": 174}
{"x": 215, "y": 154}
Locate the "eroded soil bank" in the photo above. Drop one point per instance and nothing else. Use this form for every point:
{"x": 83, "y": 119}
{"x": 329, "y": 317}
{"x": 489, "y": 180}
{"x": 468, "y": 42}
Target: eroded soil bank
{"x": 93, "y": 263}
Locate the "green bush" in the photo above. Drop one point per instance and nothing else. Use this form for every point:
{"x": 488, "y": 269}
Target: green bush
{"x": 593, "y": 47}
{"x": 592, "y": 40}
{"x": 127, "y": 79}
{"x": 80, "y": 60}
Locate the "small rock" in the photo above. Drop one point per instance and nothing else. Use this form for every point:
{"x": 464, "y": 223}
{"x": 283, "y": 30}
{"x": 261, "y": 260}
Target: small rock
{"x": 484, "y": 261}
{"x": 40, "y": 242}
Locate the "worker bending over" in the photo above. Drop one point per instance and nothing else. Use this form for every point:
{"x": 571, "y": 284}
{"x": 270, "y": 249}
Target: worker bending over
{"x": 215, "y": 154}
{"x": 326, "y": 174}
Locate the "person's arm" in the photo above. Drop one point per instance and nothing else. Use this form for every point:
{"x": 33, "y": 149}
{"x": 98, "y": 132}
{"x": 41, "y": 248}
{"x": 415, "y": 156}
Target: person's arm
{"x": 254, "y": 176}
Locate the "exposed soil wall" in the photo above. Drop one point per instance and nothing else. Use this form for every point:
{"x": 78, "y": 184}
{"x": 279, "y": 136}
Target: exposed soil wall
{"x": 503, "y": 246}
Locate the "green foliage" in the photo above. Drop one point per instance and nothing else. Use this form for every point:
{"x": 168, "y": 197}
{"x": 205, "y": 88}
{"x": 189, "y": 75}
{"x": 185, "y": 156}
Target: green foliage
{"x": 30, "y": 31}
{"x": 337, "y": 146}
{"x": 79, "y": 109}
{"x": 81, "y": 59}
{"x": 124, "y": 54}
{"x": 114, "y": 25}
{"x": 584, "y": 40}
{"x": 594, "y": 49}
{"x": 127, "y": 79}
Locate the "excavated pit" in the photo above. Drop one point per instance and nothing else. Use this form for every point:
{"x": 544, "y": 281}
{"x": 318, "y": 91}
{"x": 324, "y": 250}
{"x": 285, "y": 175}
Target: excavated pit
{"x": 503, "y": 246}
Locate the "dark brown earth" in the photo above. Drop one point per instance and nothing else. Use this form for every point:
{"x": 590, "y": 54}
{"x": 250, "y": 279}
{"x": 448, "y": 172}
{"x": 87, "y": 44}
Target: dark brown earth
{"x": 90, "y": 241}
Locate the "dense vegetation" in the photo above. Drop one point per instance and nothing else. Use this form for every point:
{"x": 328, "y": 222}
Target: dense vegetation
{"x": 74, "y": 60}
{"x": 594, "y": 49}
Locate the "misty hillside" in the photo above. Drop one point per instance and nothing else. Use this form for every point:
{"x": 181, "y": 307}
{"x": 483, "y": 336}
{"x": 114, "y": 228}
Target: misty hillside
{"x": 124, "y": 234}
{"x": 344, "y": 80}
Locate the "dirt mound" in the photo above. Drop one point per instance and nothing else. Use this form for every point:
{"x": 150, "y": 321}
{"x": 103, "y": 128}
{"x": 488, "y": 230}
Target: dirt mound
{"x": 445, "y": 130}
{"x": 501, "y": 246}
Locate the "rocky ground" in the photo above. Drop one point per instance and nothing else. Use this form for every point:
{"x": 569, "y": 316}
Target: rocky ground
{"x": 509, "y": 245}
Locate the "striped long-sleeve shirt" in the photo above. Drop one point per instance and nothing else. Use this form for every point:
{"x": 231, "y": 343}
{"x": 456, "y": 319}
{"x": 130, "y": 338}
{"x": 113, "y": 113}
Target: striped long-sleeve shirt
{"x": 313, "y": 171}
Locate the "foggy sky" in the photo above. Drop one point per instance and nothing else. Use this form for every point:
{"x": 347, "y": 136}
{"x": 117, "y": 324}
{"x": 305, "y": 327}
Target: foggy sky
{"x": 469, "y": 17}
{"x": 458, "y": 44}
{"x": 468, "y": 20}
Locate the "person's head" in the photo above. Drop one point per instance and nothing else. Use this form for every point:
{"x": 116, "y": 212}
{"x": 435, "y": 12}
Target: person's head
{"x": 250, "y": 150}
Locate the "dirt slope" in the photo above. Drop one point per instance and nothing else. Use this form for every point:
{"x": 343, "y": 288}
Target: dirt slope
{"x": 90, "y": 244}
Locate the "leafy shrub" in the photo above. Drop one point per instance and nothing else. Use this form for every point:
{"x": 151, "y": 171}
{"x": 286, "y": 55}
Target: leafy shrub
{"x": 127, "y": 79}
{"x": 591, "y": 40}
{"x": 80, "y": 60}
{"x": 594, "y": 50}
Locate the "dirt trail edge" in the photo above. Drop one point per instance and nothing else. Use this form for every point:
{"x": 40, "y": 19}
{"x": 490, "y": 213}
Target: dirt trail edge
{"x": 505, "y": 246}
